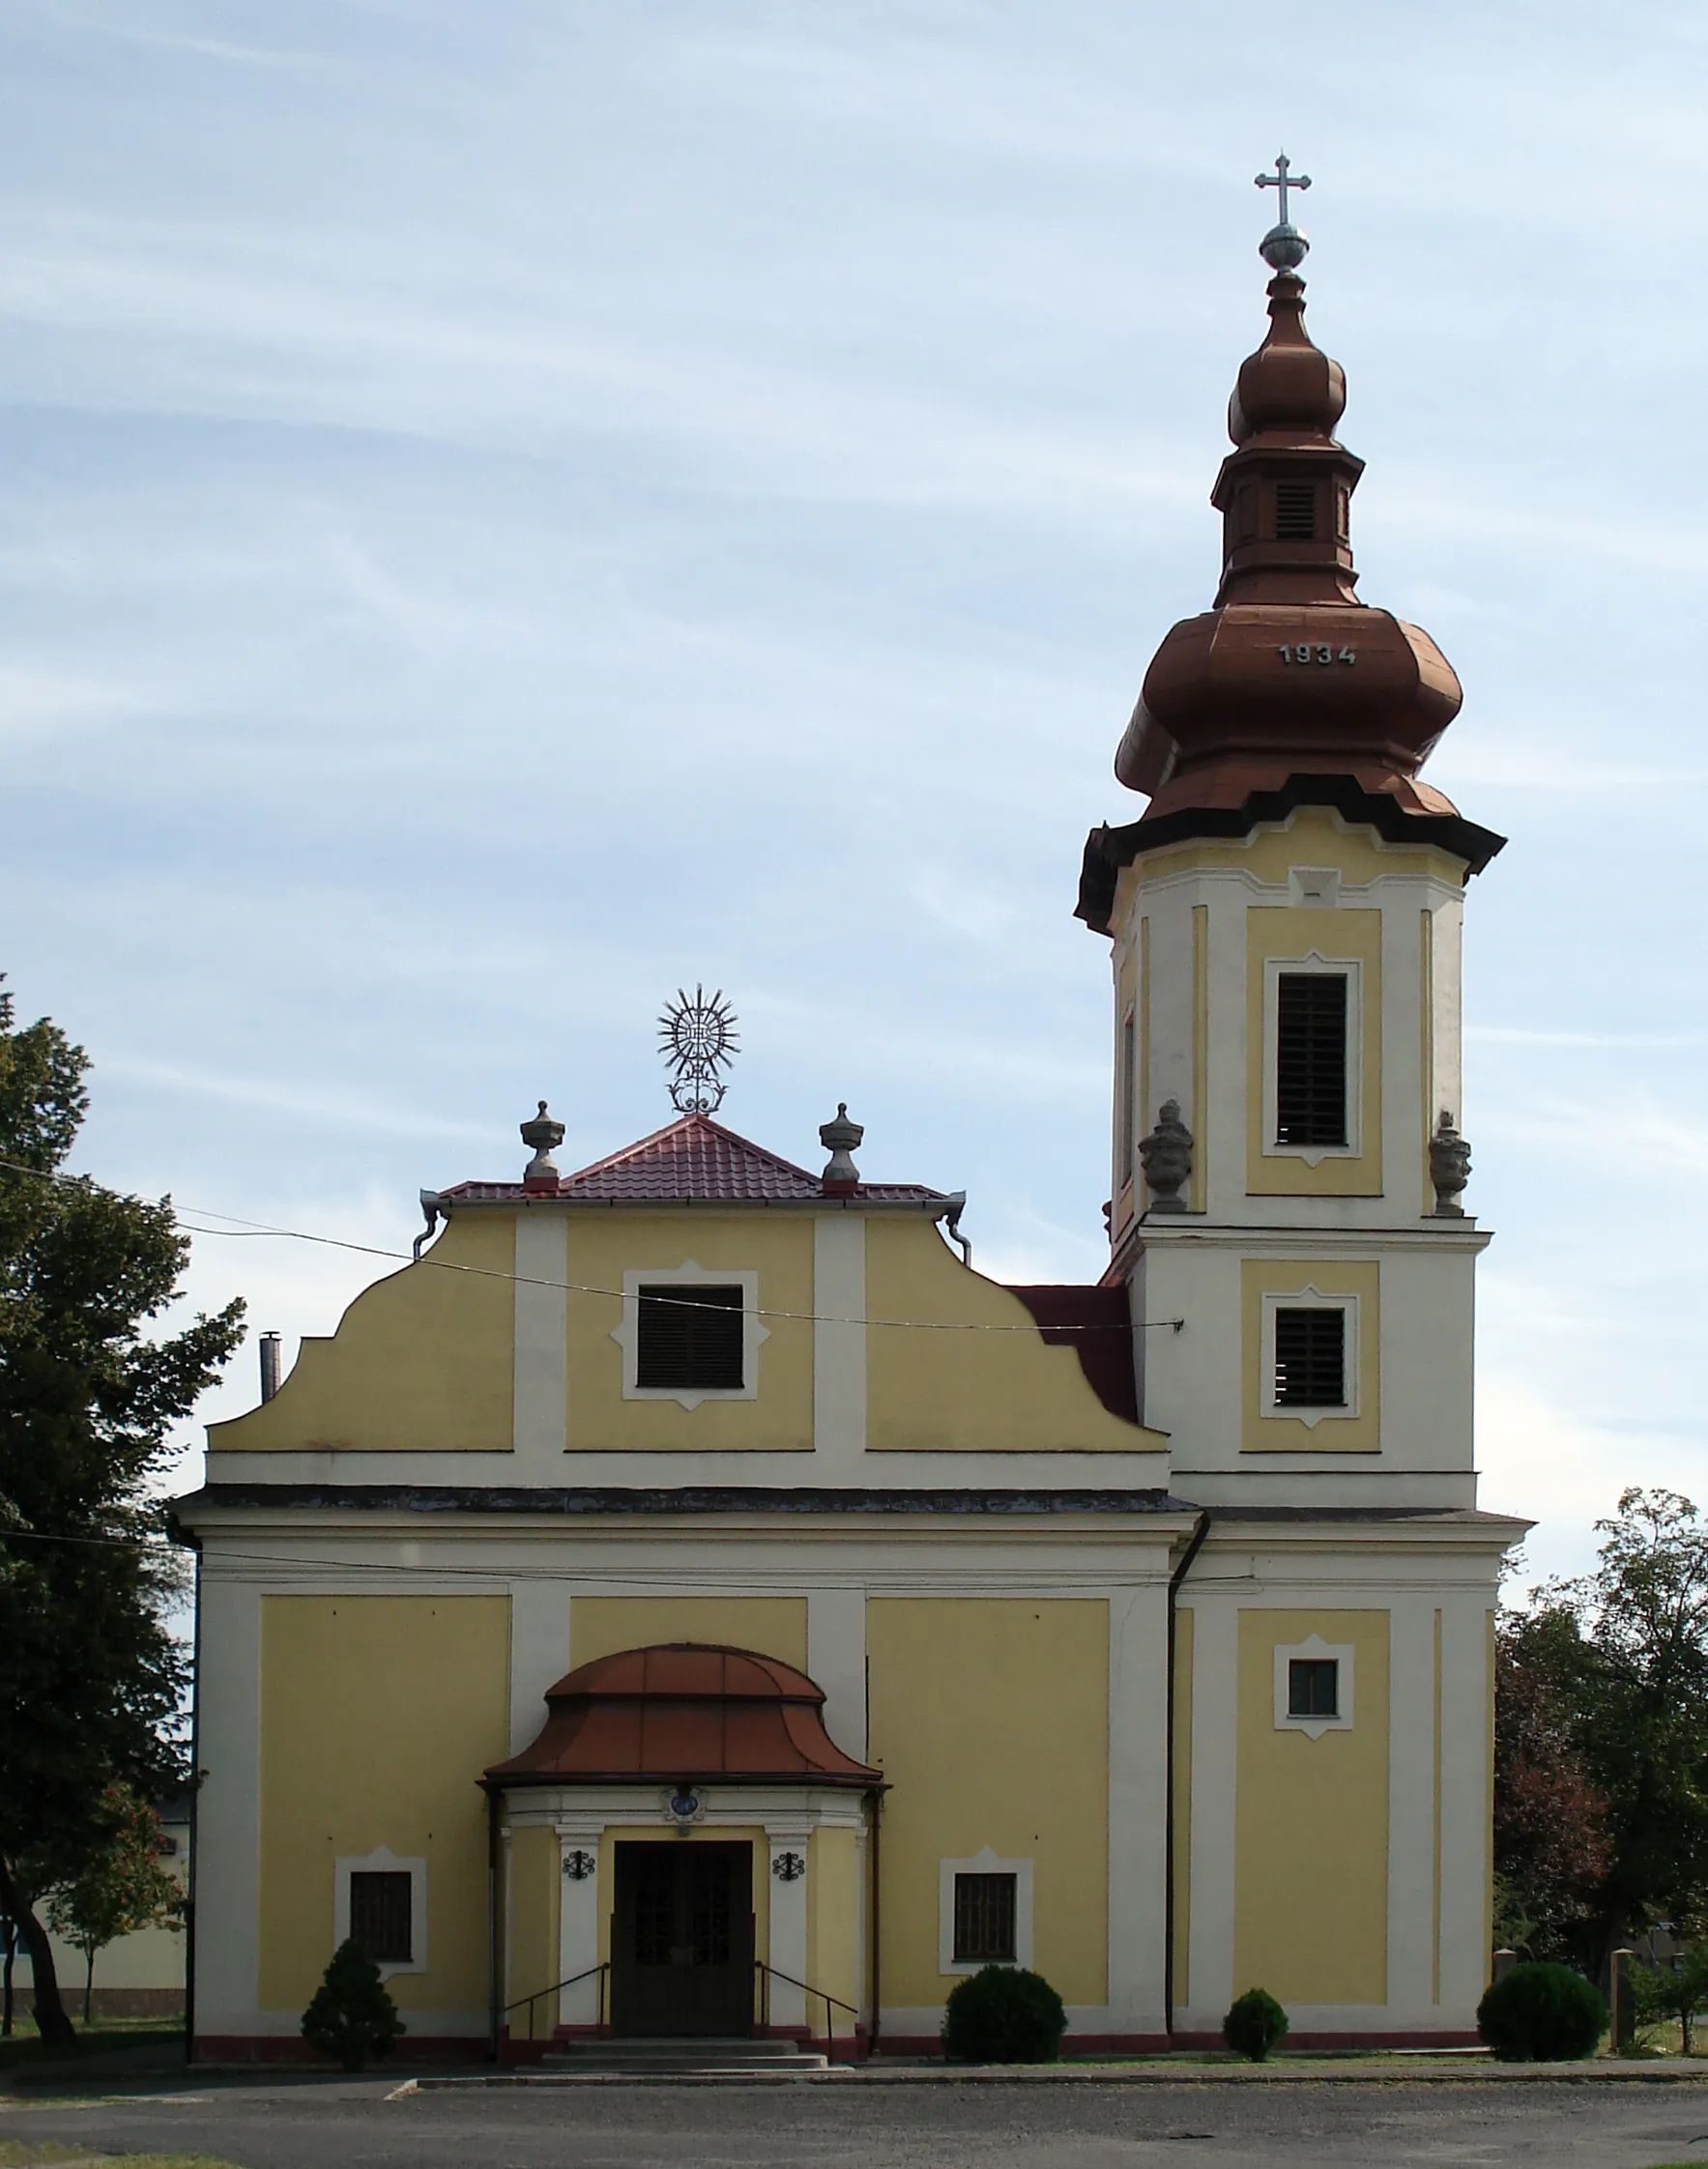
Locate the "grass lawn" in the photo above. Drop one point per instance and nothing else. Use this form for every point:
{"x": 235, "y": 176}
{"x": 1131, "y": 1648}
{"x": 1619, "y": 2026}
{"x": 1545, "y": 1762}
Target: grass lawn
{"x": 97, "y": 2039}
{"x": 18, "y": 2154}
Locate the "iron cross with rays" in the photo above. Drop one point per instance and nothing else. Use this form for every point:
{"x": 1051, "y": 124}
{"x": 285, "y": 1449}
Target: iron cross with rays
{"x": 698, "y": 1042}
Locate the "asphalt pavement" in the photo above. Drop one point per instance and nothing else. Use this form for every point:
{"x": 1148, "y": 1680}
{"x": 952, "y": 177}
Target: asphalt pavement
{"x": 364, "y": 2123}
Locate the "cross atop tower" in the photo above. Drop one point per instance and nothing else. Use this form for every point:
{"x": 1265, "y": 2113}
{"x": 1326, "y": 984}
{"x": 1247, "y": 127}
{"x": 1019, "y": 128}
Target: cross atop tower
{"x": 1282, "y": 179}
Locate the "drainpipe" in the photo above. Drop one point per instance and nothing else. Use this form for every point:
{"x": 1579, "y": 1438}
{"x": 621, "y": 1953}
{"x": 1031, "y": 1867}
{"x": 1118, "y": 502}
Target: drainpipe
{"x": 1193, "y": 1548}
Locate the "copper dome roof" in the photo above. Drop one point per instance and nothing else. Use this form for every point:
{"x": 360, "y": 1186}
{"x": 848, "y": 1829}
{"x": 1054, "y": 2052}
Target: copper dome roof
{"x": 674, "y": 1711}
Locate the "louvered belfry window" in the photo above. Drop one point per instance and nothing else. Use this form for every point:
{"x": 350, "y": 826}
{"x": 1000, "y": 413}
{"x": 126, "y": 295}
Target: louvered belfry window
{"x": 1311, "y": 1358}
{"x": 1310, "y": 1058}
{"x": 984, "y": 1920}
{"x": 1295, "y": 512}
{"x": 690, "y": 1338}
{"x": 381, "y": 1914}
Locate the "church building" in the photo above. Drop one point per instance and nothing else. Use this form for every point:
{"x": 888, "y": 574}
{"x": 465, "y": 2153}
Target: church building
{"x": 690, "y": 1599}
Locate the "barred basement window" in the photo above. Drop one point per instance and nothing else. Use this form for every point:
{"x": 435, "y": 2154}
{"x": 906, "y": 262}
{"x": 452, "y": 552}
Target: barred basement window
{"x": 1310, "y": 1058}
{"x": 691, "y": 1337}
{"x": 984, "y": 1920}
{"x": 1295, "y": 512}
{"x": 1313, "y": 1686}
{"x": 1311, "y": 1358}
{"x": 381, "y": 1907}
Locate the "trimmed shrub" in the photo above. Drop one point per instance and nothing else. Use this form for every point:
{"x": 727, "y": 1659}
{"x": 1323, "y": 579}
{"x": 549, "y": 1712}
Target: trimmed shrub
{"x": 1541, "y": 2014}
{"x": 1255, "y": 2024}
{"x": 351, "y": 2016}
{"x": 1003, "y": 2015}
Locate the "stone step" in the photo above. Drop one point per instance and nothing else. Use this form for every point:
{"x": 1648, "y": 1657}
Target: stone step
{"x": 684, "y": 2057}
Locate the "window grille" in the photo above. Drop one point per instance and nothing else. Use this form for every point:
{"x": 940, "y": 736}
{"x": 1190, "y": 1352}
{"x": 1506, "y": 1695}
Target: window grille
{"x": 1311, "y": 1358}
{"x": 1313, "y": 1686}
{"x": 690, "y": 1336}
{"x": 1310, "y": 1058}
{"x": 381, "y": 1905}
{"x": 1295, "y": 512}
{"x": 984, "y": 1920}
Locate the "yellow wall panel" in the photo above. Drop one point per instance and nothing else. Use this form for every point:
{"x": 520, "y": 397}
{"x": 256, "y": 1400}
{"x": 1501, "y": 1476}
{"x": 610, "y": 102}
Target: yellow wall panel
{"x": 774, "y": 1626}
{"x": 1311, "y": 1823}
{"x": 421, "y": 1362}
{"x": 836, "y": 1903}
{"x": 779, "y": 1248}
{"x": 1352, "y": 935}
{"x": 946, "y": 1392}
{"x": 534, "y": 1889}
{"x": 1329, "y": 1434}
{"x": 378, "y": 1714}
{"x": 990, "y": 1717}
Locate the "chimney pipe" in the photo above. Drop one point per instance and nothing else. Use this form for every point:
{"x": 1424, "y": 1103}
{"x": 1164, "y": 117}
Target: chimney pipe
{"x": 270, "y": 1346}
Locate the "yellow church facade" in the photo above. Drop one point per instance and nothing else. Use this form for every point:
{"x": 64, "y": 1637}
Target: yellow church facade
{"x": 691, "y": 1599}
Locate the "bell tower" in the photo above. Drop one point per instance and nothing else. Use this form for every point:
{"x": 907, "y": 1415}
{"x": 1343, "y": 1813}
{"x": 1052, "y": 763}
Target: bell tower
{"x": 1285, "y": 918}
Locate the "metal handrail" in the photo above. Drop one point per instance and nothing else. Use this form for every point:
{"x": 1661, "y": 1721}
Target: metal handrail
{"x": 602, "y": 1970}
{"x": 766, "y": 1973}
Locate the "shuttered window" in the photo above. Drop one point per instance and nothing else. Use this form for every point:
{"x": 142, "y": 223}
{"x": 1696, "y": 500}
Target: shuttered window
{"x": 380, "y": 1910}
{"x": 984, "y": 1920}
{"x": 690, "y": 1338}
{"x": 1295, "y": 512}
{"x": 1311, "y": 1358}
{"x": 1313, "y": 1686}
{"x": 1310, "y": 1058}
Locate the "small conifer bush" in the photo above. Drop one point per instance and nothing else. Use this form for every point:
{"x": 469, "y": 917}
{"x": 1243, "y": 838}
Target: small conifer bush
{"x": 1541, "y": 2014}
{"x": 1003, "y": 2015}
{"x": 351, "y": 2016}
{"x": 1255, "y": 2024}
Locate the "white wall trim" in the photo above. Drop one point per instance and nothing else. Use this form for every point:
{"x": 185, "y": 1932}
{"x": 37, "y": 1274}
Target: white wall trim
{"x": 1314, "y": 1647}
{"x": 983, "y": 1863}
{"x": 690, "y": 1274}
{"x": 383, "y": 1861}
{"x": 1352, "y": 969}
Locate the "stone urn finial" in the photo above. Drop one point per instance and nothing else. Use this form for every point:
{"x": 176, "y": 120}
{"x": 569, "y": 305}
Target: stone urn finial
{"x": 1166, "y": 1156}
{"x": 839, "y": 1140}
{"x": 1450, "y": 1167}
{"x": 541, "y": 1135}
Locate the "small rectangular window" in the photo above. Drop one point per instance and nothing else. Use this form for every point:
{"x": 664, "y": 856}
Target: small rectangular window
{"x": 1311, "y": 1358}
{"x": 984, "y": 1920}
{"x": 691, "y": 1337}
{"x": 1295, "y": 512}
{"x": 381, "y": 1914}
{"x": 1310, "y": 1058}
{"x": 1313, "y": 1686}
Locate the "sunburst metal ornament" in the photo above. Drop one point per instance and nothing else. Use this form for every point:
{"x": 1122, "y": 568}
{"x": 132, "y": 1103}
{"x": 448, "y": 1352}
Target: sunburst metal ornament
{"x": 698, "y": 1042}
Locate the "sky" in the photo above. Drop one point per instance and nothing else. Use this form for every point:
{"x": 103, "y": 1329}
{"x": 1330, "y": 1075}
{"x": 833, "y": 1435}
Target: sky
{"x": 508, "y": 511}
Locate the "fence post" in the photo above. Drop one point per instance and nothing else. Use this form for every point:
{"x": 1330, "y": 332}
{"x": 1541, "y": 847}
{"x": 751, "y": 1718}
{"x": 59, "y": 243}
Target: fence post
{"x": 1621, "y": 2017}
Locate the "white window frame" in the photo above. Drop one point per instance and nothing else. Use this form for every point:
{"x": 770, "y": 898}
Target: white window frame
{"x": 983, "y": 1863}
{"x": 1352, "y": 969}
{"x": 1313, "y": 1650}
{"x": 385, "y": 1861}
{"x": 1308, "y": 1298}
{"x": 690, "y": 1274}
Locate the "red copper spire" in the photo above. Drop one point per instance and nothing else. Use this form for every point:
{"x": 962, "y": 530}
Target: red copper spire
{"x": 1288, "y": 673}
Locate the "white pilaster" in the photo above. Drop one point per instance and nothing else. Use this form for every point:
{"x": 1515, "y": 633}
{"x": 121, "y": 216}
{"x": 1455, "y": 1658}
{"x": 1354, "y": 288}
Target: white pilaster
{"x": 1411, "y": 1808}
{"x": 539, "y": 1653}
{"x": 836, "y": 1659}
{"x": 1464, "y": 1808}
{"x": 788, "y": 1915}
{"x": 540, "y": 1385}
{"x": 839, "y": 1345}
{"x": 1137, "y": 1780}
{"x": 582, "y": 1888}
{"x": 1215, "y": 1731}
{"x": 228, "y": 1807}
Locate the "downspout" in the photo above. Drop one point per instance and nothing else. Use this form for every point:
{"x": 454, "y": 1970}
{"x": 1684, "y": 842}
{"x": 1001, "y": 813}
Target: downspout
{"x": 876, "y": 2030}
{"x": 195, "y": 1830}
{"x": 494, "y": 1985}
{"x": 1193, "y": 1548}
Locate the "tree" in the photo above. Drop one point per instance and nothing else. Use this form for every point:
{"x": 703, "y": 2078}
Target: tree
{"x": 350, "y": 2014}
{"x": 1606, "y": 1729}
{"x": 1670, "y": 1992}
{"x": 91, "y": 1678}
{"x": 120, "y": 1891}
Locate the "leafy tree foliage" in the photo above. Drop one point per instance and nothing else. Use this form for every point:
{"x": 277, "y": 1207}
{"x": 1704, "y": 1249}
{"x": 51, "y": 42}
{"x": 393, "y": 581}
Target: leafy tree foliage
{"x": 1003, "y": 2015}
{"x": 350, "y": 2016}
{"x": 91, "y": 1679}
{"x": 120, "y": 1889}
{"x": 1601, "y": 1792}
{"x": 1676, "y": 1992}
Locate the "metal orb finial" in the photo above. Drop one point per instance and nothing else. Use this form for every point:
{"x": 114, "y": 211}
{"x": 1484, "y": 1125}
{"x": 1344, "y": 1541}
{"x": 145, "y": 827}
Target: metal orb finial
{"x": 698, "y": 1042}
{"x": 1283, "y": 247}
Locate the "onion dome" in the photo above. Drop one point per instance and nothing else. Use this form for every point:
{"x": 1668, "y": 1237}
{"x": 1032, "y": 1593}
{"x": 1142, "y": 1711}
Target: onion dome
{"x": 1289, "y": 675}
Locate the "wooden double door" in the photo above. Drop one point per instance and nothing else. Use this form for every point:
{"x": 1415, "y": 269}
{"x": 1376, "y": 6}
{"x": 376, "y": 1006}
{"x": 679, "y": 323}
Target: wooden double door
{"x": 682, "y": 1939}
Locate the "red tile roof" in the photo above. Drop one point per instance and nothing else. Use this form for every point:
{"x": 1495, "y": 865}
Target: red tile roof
{"x": 696, "y": 1160}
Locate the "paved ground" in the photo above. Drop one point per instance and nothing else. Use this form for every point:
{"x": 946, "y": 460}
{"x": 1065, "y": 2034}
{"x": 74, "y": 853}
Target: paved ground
{"x": 350, "y": 2125}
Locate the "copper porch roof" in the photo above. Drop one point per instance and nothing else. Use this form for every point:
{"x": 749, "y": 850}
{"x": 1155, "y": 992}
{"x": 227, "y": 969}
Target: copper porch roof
{"x": 679, "y": 1711}
{"x": 692, "y": 1160}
